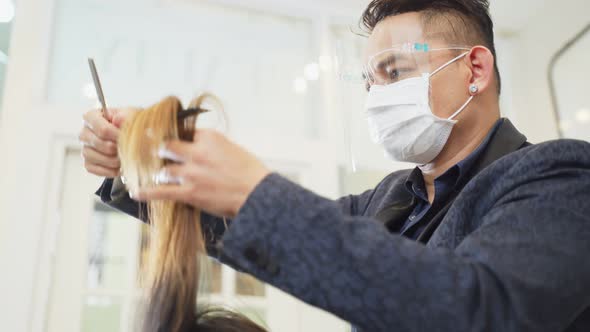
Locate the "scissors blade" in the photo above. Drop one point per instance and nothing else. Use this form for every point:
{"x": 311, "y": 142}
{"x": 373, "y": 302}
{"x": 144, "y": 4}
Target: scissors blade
{"x": 98, "y": 86}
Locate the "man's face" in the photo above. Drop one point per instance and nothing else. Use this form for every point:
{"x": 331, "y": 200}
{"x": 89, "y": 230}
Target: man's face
{"x": 449, "y": 87}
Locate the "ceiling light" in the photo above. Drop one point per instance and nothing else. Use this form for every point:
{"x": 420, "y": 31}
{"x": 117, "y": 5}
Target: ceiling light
{"x": 583, "y": 115}
{"x": 300, "y": 85}
{"x": 312, "y": 72}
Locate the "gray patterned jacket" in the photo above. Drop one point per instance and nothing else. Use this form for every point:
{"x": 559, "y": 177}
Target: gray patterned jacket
{"x": 509, "y": 252}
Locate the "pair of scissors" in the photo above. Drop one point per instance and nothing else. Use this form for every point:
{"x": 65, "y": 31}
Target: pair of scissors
{"x": 98, "y": 87}
{"x": 181, "y": 115}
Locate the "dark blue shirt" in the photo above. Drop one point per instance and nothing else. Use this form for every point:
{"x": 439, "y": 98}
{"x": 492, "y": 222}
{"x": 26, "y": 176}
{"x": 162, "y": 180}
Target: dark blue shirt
{"x": 444, "y": 186}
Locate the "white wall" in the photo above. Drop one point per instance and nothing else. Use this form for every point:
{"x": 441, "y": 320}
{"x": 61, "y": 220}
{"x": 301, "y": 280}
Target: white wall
{"x": 544, "y": 34}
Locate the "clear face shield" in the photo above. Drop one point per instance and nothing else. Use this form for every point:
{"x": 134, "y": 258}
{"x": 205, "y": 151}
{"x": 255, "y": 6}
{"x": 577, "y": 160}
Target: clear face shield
{"x": 405, "y": 66}
{"x": 407, "y": 61}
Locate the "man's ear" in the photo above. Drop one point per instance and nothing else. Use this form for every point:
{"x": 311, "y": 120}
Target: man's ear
{"x": 481, "y": 62}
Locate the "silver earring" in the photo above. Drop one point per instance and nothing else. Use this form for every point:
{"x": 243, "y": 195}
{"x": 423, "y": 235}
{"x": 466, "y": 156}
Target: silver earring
{"x": 473, "y": 88}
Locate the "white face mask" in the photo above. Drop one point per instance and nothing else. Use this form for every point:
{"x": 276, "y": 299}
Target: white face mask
{"x": 400, "y": 119}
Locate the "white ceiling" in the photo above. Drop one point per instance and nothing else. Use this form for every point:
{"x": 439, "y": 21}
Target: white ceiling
{"x": 510, "y": 16}
{"x": 513, "y": 15}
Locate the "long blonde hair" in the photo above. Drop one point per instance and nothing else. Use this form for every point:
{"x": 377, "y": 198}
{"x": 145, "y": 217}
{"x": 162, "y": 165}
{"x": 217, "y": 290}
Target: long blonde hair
{"x": 176, "y": 241}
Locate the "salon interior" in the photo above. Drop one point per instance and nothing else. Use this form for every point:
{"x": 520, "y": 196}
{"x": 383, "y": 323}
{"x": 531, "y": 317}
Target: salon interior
{"x": 281, "y": 69}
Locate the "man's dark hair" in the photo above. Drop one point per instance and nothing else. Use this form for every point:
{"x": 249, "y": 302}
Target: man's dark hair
{"x": 460, "y": 21}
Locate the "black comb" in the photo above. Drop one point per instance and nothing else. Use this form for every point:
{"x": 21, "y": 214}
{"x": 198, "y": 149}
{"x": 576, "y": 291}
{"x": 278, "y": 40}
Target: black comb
{"x": 186, "y": 125}
{"x": 190, "y": 111}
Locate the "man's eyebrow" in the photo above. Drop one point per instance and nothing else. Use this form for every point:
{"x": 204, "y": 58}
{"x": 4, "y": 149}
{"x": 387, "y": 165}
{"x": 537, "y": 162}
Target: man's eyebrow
{"x": 391, "y": 59}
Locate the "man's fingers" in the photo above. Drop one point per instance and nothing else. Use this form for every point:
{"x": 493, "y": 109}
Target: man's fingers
{"x": 110, "y": 114}
{"x": 101, "y": 171}
{"x": 94, "y": 157}
{"x": 100, "y": 126}
{"x": 108, "y": 148}
{"x": 172, "y": 174}
{"x": 175, "y": 150}
{"x": 164, "y": 193}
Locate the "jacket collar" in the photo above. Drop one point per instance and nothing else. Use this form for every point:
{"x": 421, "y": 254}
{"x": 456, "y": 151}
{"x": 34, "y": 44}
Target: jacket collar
{"x": 504, "y": 141}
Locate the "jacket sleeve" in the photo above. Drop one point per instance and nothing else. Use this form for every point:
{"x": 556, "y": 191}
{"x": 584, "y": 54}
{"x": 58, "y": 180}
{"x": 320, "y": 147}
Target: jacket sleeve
{"x": 524, "y": 268}
{"x": 113, "y": 193}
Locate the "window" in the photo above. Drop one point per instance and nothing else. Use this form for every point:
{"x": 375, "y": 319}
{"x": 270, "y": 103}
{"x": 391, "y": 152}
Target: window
{"x": 95, "y": 278}
{"x": 255, "y": 62}
{"x": 117, "y": 247}
{"x": 570, "y": 82}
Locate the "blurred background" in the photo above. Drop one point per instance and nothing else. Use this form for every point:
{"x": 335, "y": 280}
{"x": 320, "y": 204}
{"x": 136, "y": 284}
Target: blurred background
{"x": 69, "y": 263}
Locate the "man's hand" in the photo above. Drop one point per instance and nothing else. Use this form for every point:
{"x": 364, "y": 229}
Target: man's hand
{"x": 212, "y": 174}
{"x": 99, "y": 138}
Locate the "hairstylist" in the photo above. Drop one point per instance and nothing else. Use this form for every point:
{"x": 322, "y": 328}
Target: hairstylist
{"x": 487, "y": 233}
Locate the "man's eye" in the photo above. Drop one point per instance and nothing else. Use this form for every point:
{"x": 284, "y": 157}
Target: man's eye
{"x": 396, "y": 74}
{"x": 393, "y": 74}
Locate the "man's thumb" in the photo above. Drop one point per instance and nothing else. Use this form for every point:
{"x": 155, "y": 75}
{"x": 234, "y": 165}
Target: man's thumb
{"x": 120, "y": 115}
